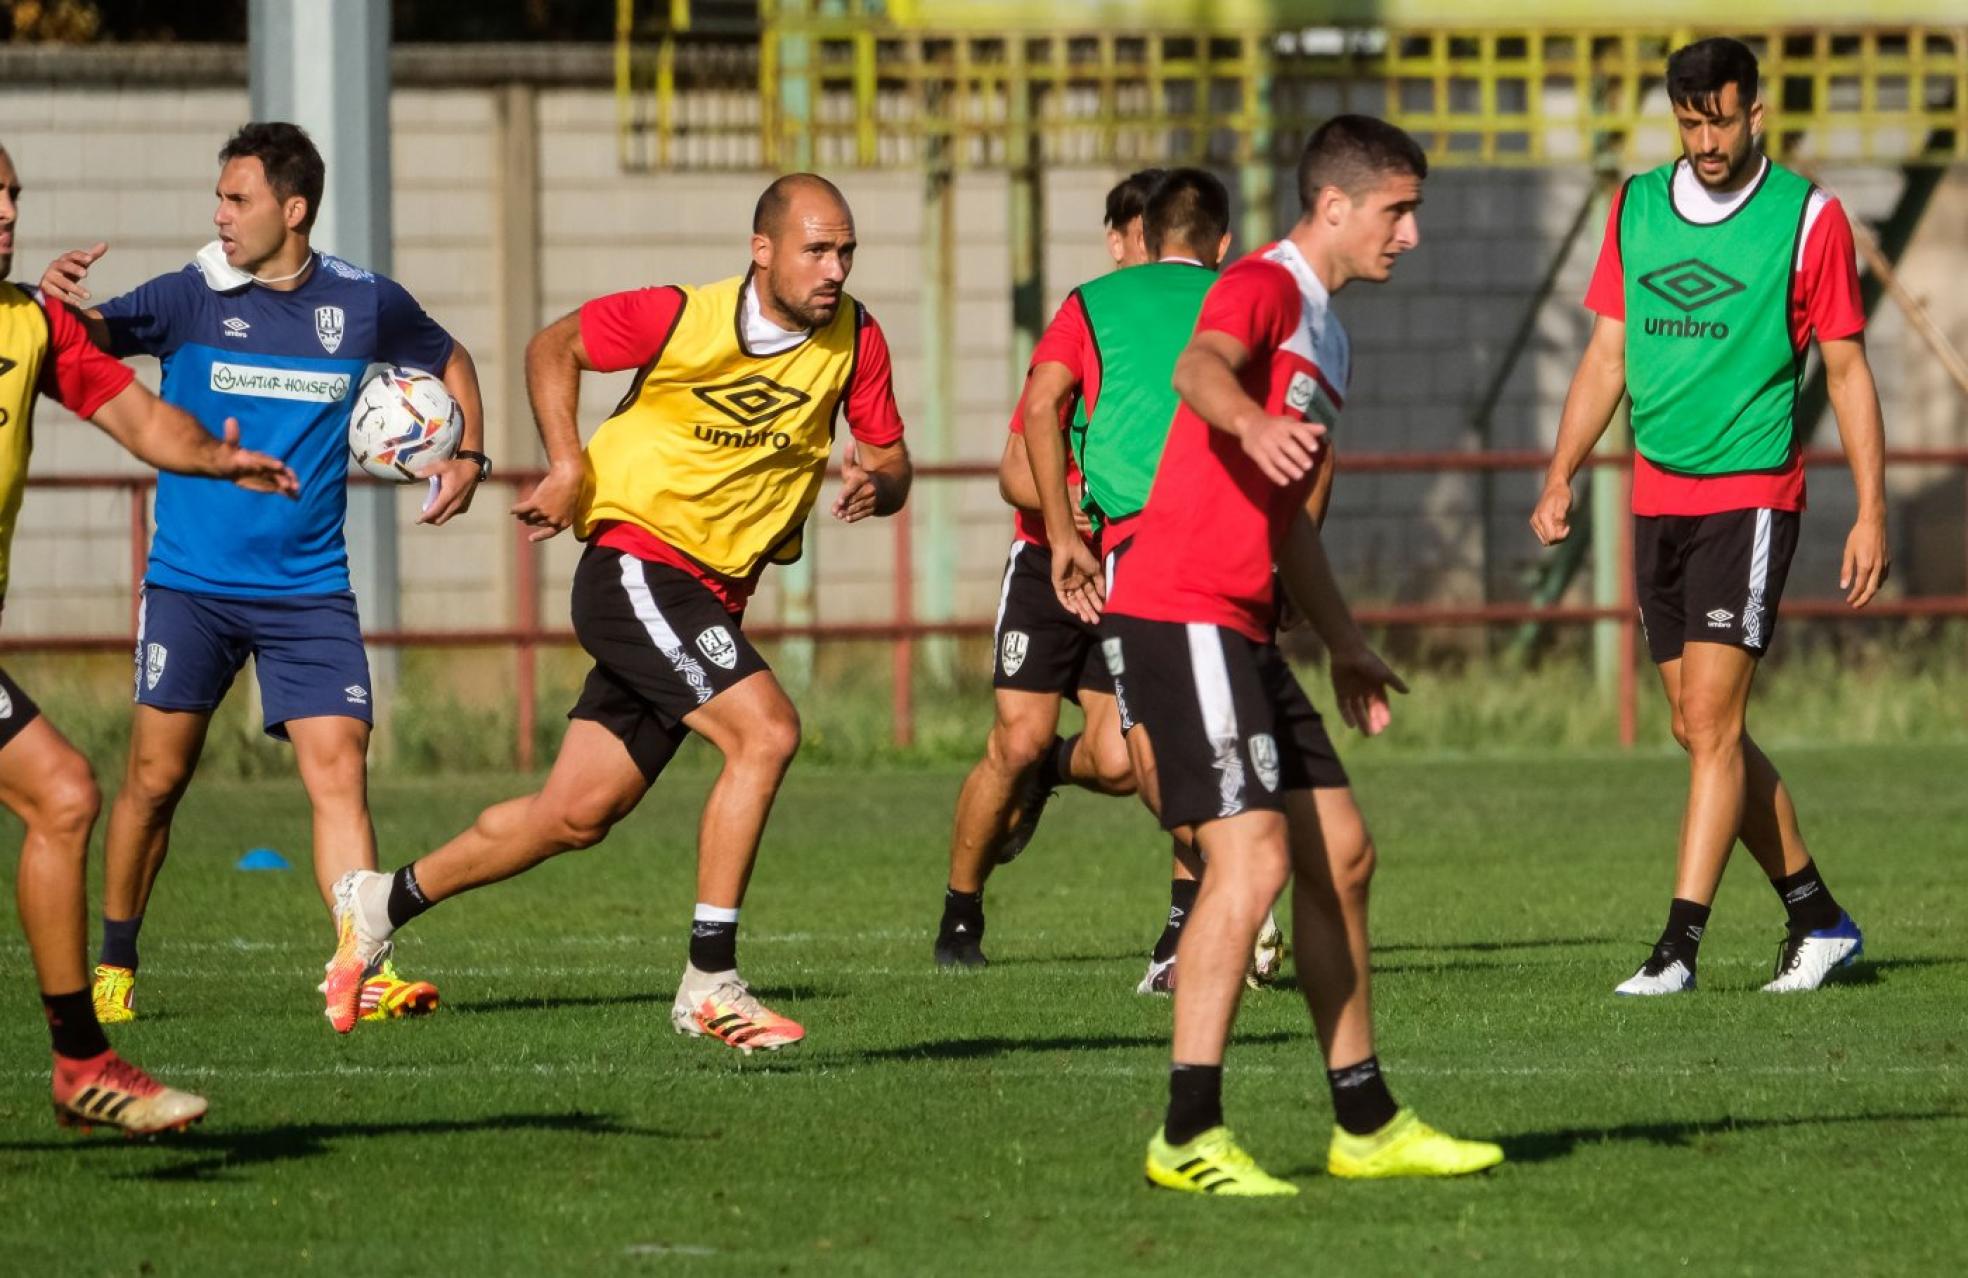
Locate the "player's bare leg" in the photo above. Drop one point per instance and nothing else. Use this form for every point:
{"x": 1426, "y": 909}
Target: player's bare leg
{"x": 331, "y": 753}
{"x": 1100, "y": 756}
{"x": 1333, "y": 864}
{"x": 756, "y": 728}
{"x": 47, "y": 784}
{"x": 1769, "y": 821}
{"x": 1249, "y": 861}
{"x": 1021, "y": 732}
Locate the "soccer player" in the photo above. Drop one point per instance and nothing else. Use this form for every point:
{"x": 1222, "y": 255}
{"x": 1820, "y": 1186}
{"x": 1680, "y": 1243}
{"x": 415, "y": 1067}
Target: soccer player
{"x": 262, "y": 327}
{"x": 1043, "y": 655}
{"x": 1224, "y": 741}
{"x": 44, "y": 780}
{"x": 703, "y": 476}
{"x": 1716, "y": 272}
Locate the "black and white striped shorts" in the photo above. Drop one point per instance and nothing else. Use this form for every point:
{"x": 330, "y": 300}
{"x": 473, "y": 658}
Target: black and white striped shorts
{"x": 1711, "y": 578}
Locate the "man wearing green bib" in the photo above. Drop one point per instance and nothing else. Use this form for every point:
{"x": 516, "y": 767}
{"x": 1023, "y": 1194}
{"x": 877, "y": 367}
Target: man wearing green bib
{"x": 1716, "y": 273}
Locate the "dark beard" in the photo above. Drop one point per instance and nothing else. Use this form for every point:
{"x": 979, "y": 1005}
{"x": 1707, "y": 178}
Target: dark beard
{"x": 802, "y": 313}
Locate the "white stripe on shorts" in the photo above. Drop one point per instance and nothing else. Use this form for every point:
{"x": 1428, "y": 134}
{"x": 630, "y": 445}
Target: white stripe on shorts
{"x": 1004, "y": 591}
{"x": 1212, "y": 679}
{"x": 661, "y": 633}
{"x": 1759, "y": 579}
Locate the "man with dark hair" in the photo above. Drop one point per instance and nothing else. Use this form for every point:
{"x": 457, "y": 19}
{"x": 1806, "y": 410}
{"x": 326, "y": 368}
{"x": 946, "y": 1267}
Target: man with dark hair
{"x": 1126, "y": 201}
{"x": 1225, "y": 743}
{"x": 1716, "y": 272}
{"x": 45, "y": 781}
{"x": 703, "y": 475}
{"x": 262, "y": 327}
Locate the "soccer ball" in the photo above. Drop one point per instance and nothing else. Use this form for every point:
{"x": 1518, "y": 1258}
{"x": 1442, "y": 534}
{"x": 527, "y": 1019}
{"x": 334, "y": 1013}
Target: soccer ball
{"x": 404, "y": 421}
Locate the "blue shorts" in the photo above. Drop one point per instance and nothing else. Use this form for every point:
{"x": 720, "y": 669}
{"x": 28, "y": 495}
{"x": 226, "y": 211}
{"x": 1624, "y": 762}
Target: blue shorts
{"x": 307, "y": 650}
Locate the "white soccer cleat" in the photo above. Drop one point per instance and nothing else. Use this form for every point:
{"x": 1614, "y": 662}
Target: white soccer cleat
{"x": 720, "y": 1005}
{"x": 1160, "y": 978}
{"x": 1807, "y": 958}
{"x": 362, "y": 933}
{"x": 1267, "y": 955}
{"x": 1662, "y": 973}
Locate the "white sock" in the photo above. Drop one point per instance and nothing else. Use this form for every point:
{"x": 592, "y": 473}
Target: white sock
{"x": 372, "y": 896}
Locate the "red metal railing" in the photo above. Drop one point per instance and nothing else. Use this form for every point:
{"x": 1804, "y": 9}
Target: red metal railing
{"x": 527, "y": 635}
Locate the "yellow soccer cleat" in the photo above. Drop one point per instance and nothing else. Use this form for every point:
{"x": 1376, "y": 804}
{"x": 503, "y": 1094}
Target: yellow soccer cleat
{"x": 1407, "y": 1147}
{"x": 1213, "y": 1163}
{"x": 386, "y": 996}
{"x": 115, "y": 994}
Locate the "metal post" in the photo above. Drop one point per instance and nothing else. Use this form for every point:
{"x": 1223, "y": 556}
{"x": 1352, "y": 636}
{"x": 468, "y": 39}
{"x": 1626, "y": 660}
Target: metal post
{"x": 139, "y": 490}
{"x": 1611, "y": 569}
{"x": 794, "y": 660}
{"x": 526, "y": 618}
{"x": 1027, "y": 224}
{"x": 936, "y": 552}
{"x": 902, "y": 653}
{"x": 326, "y": 68}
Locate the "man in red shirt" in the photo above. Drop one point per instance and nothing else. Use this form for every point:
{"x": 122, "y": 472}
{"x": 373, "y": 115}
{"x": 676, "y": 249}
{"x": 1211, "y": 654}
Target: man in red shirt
{"x": 1713, "y": 540}
{"x": 1224, "y": 741}
{"x": 44, "y": 780}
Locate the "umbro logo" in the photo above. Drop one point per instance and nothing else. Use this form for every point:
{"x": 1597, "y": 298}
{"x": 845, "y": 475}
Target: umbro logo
{"x": 1690, "y": 285}
{"x": 7, "y": 365}
{"x": 752, "y": 401}
{"x": 1720, "y": 618}
{"x": 236, "y": 327}
{"x": 356, "y": 694}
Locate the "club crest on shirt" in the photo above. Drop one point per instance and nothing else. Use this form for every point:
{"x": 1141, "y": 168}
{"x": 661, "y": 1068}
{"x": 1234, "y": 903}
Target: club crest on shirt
{"x": 154, "y": 658}
{"x": 1011, "y": 653}
{"x": 1264, "y": 757}
{"x": 716, "y": 643}
{"x": 328, "y": 327}
{"x": 1300, "y": 391}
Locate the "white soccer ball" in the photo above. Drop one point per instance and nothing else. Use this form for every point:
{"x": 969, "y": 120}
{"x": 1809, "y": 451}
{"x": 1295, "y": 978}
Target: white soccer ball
{"x": 404, "y": 422}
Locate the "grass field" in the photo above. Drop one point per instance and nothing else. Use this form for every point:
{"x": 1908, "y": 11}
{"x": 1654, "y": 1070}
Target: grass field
{"x": 547, "y": 1120}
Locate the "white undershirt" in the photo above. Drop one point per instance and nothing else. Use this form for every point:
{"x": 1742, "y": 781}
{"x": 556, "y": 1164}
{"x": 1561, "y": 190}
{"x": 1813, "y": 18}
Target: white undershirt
{"x": 762, "y": 336}
{"x": 1704, "y": 207}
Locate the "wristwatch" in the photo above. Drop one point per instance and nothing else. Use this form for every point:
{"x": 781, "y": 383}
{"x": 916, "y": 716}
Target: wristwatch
{"x": 484, "y": 463}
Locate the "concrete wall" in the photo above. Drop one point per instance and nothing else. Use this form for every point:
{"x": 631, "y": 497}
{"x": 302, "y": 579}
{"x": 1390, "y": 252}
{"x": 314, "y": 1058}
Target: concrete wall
{"x": 134, "y": 166}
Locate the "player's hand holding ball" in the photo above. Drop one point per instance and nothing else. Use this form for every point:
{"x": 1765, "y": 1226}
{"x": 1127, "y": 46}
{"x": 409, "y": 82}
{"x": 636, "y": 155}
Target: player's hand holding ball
{"x": 1360, "y": 681}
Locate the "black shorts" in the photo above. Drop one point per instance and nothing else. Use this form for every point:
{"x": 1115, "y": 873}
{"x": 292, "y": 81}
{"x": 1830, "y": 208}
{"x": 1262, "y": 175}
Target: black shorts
{"x": 1231, "y": 729}
{"x": 17, "y": 710}
{"x": 1711, "y": 578}
{"x": 663, "y": 645}
{"x": 1041, "y": 647}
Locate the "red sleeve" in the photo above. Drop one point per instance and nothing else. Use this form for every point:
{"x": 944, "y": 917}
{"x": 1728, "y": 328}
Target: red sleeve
{"x": 1606, "y": 295}
{"x": 628, "y": 330}
{"x": 78, "y": 376}
{"x": 871, "y": 412}
{"x": 1068, "y": 341}
{"x": 1256, "y": 302}
{"x": 1829, "y": 279}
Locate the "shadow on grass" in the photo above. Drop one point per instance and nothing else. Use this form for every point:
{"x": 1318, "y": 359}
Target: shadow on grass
{"x": 562, "y": 1002}
{"x": 1876, "y": 971}
{"x": 1541, "y": 1147}
{"x": 1486, "y": 947}
{"x": 967, "y": 1049}
{"x": 222, "y": 1150}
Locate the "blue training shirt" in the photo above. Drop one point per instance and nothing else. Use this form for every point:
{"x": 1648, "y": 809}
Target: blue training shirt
{"x": 287, "y": 365}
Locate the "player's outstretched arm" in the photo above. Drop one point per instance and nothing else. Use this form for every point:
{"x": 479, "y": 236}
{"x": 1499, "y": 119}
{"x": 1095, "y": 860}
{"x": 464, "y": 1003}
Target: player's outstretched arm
{"x": 458, "y": 477}
{"x": 1284, "y": 448}
{"x": 555, "y": 359}
{"x": 1597, "y": 386}
{"x": 168, "y": 438}
{"x": 875, "y": 480}
{"x": 1862, "y": 429}
{"x": 1360, "y": 679}
{"x": 63, "y": 282}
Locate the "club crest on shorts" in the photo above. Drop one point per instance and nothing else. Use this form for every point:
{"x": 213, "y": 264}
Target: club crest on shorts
{"x": 717, "y": 644}
{"x": 1264, "y": 758}
{"x": 154, "y": 658}
{"x": 1011, "y": 654}
{"x": 1110, "y": 650}
{"x": 328, "y": 327}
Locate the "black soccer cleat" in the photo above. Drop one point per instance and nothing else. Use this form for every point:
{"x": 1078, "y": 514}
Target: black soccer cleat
{"x": 960, "y": 944}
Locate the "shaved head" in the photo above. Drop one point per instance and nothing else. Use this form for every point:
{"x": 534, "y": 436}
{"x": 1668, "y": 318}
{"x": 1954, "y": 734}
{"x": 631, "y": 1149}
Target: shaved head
{"x": 778, "y": 200}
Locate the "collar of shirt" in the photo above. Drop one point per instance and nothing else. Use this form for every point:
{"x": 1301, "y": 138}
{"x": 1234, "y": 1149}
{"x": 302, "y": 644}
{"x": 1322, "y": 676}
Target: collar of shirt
{"x": 1699, "y": 204}
{"x": 1286, "y": 254}
{"x": 762, "y": 336}
{"x": 1186, "y": 261}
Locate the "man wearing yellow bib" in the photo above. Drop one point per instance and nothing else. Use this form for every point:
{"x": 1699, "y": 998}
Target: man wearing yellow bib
{"x": 705, "y": 473}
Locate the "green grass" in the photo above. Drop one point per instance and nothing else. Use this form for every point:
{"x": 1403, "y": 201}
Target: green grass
{"x": 548, "y": 1121}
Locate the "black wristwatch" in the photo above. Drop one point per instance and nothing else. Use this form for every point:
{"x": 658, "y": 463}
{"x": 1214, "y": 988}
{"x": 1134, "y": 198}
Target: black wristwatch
{"x": 484, "y": 463}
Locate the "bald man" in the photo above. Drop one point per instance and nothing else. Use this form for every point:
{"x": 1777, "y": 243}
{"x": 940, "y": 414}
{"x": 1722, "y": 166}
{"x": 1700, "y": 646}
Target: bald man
{"x": 704, "y": 475}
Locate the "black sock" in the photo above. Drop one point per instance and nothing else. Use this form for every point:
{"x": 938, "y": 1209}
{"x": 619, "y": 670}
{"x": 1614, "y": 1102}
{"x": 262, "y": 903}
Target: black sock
{"x": 1195, "y": 1102}
{"x": 1683, "y": 935}
{"x": 714, "y": 941}
{"x": 1361, "y": 1102}
{"x": 72, "y": 1023}
{"x": 406, "y": 899}
{"x": 1807, "y": 900}
{"x": 119, "y": 947}
{"x": 963, "y": 910}
{"x": 1057, "y": 764}
{"x": 1182, "y": 899}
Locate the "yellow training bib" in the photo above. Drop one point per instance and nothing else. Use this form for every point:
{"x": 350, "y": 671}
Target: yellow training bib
{"x": 24, "y": 342}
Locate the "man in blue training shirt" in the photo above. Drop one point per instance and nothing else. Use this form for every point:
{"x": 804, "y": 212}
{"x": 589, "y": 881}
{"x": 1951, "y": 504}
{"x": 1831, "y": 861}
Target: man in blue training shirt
{"x": 262, "y": 328}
